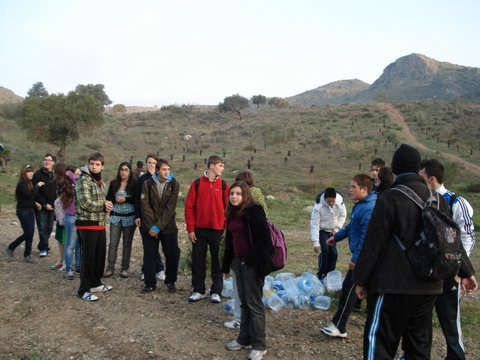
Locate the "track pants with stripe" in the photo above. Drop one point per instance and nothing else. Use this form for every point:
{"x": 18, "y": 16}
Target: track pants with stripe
{"x": 392, "y": 317}
{"x": 348, "y": 298}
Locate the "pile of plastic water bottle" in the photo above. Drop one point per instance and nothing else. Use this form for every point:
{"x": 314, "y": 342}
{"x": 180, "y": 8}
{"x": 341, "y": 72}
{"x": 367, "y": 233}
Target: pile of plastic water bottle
{"x": 287, "y": 290}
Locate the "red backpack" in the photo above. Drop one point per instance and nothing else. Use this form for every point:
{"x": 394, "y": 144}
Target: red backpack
{"x": 279, "y": 253}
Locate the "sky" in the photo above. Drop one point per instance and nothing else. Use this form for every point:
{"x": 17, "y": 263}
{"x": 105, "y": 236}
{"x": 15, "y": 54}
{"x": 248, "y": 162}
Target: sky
{"x": 156, "y": 52}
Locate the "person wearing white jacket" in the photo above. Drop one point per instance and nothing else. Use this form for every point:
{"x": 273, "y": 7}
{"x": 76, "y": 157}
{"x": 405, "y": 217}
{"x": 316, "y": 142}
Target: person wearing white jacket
{"x": 328, "y": 216}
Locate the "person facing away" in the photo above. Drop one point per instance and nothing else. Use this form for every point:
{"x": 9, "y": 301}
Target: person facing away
{"x": 375, "y": 167}
{"x": 25, "y": 193}
{"x": 364, "y": 199}
{"x": 46, "y": 196}
{"x": 72, "y": 247}
{"x": 62, "y": 184}
{"x": 121, "y": 193}
{"x": 91, "y": 210}
{"x": 249, "y": 246}
{"x": 400, "y": 304}
{"x": 205, "y": 206}
{"x": 447, "y": 305}
{"x": 159, "y": 203}
{"x": 327, "y": 218}
{"x": 151, "y": 161}
{"x": 385, "y": 179}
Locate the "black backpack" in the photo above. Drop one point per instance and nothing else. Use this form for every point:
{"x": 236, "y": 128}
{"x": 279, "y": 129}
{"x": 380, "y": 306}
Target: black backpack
{"x": 437, "y": 254}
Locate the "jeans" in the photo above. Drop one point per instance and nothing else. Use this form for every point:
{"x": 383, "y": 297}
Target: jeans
{"x": 71, "y": 244}
{"x": 27, "y": 221}
{"x": 45, "y": 227}
{"x": 206, "y": 238}
{"x": 115, "y": 233}
{"x": 250, "y": 292}
{"x": 158, "y": 260}
{"x": 327, "y": 260}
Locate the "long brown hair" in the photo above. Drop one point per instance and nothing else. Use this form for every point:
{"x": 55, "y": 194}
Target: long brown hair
{"x": 23, "y": 176}
{"x": 64, "y": 185}
{"x": 247, "y": 200}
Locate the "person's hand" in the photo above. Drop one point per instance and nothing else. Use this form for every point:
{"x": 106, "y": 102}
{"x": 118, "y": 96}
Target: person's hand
{"x": 48, "y": 207}
{"x": 40, "y": 184}
{"x": 361, "y": 291}
{"x": 331, "y": 241}
{"x": 469, "y": 285}
{"x": 351, "y": 265}
{"x": 150, "y": 168}
{"x": 152, "y": 233}
{"x": 316, "y": 249}
{"x": 138, "y": 222}
{"x": 192, "y": 237}
{"x": 108, "y": 206}
{"x": 38, "y": 206}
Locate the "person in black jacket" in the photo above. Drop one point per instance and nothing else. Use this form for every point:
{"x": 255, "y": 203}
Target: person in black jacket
{"x": 25, "y": 194}
{"x": 45, "y": 197}
{"x": 399, "y": 304}
{"x": 248, "y": 245}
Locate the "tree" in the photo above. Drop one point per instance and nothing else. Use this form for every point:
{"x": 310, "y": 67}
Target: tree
{"x": 119, "y": 109}
{"x": 37, "y": 91}
{"x": 59, "y": 119}
{"x": 278, "y": 102}
{"x": 233, "y": 103}
{"x": 96, "y": 91}
{"x": 259, "y": 100}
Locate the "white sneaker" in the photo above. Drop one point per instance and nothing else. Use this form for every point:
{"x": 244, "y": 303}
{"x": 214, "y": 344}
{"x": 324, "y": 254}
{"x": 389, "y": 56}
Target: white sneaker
{"x": 332, "y": 330}
{"x": 101, "y": 288}
{"x": 256, "y": 354}
{"x": 232, "y": 324}
{"x": 88, "y": 296}
{"x": 142, "y": 277}
{"x": 215, "y": 299}
{"x": 42, "y": 253}
{"x": 161, "y": 275}
{"x": 235, "y": 346}
{"x": 195, "y": 297}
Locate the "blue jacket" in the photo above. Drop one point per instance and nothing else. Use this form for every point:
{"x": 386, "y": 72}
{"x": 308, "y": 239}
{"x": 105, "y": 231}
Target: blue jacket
{"x": 357, "y": 227}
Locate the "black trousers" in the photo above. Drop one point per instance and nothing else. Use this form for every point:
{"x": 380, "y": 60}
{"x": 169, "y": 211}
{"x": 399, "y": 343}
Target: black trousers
{"x": 207, "y": 238}
{"x": 172, "y": 257}
{"x": 448, "y": 312}
{"x": 347, "y": 302}
{"x": 394, "y": 316}
{"x": 93, "y": 249}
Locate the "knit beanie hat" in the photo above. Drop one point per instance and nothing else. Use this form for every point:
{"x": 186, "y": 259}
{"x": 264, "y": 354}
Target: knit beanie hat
{"x": 406, "y": 159}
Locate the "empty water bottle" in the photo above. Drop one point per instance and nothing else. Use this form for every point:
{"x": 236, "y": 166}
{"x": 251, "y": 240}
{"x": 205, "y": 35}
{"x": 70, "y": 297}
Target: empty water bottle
{"x": 227, "y": 290}
{"x": 229, "y": 306}
{"x": 333, "y": 281}
{"x": 274, "y": 302}
{"x": 322, "y": 302}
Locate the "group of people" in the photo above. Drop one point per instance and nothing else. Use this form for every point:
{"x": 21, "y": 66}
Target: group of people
{"x": 399, "y": 305}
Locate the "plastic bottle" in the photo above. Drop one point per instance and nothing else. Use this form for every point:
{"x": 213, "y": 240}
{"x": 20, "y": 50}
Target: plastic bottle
{"x": 322, "y": 302}
{"x": 333, "y": 281}
{"x": 274, "y": 302}
{"x": 227, "y": 290}
{"x": 229, "y": 306}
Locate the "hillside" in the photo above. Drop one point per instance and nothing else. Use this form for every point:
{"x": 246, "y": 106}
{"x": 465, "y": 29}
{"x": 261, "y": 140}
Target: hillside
{"x": 8, "y": 96}
{"x": 413, "y": 77}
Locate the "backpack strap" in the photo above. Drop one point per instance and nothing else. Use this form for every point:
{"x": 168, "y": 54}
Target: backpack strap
{"x": 412, "y": 195}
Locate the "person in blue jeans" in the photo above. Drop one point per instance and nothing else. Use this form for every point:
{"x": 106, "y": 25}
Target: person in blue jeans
{"x": 25, "y": 193}
{"x": 72, "y": 248}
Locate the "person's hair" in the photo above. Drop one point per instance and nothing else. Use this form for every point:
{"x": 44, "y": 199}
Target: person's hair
{"x": 54, "y": 158}
{"x": 160, "y": 162}
{"x": 247, "y": 200}
{"x": 214, "y": 160}
{"x": 64, "y": 185}
{"x": 378, "y": 162}
{"x": 72, "y": 168}
{"x": 130, "y": 182}
{"x": 153, "y": 156}
{"x": 96, "y": 156}
{"x": 433, "y": 167}
{"x": 329, "y": 193}
{"x": 23, "y": 177}
{"x": 139, "y": 164}
{"x": 363, "y": 180}
{"x": 385, "y": 175}
{"x": 245, "y": 176}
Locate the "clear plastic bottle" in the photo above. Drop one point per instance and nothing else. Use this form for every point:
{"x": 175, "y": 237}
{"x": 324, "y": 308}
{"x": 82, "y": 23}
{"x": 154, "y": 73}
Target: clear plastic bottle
{"x": 229, "y": 306}
{"x": 274, "y": 302}
{"x": 227, "y": 290}
{"x": 333, "y": 281}
{"x": 322, "y": 302}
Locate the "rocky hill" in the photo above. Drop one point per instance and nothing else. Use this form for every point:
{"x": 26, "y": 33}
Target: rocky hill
{"x": 413, "y": 77}
{"x": 8, "y": 96}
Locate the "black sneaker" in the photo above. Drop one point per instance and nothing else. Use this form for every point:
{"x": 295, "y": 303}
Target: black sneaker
{"x": 9, "y": 252}
{"x": 29, "y": 259}
{"x": 171, "y": 288}
{"x": 147, "y": 289}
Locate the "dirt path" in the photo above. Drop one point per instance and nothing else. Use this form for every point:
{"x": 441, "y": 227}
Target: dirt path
{"x": 398, "y": 118}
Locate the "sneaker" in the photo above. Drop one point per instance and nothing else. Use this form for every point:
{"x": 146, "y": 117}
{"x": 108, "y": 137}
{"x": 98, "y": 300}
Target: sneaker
{"x": 9, "y": 252}
{"x": 142, "y": 277}
{"x": 147, "y": 289}
{"x": 57, "y": 266}
{"x": 108, "y": 273}
{"x": 195, "y": 297}
{"x": 88, "y": 296}
{"x": 161, "y": 275}
{"x": 171, "y": 287}
{"x": 256, "y": 354}
{"x": 69, "y": 275}
{"x": 215, "y": 299}
{"x": 101, "y": 288}
{"x": 332, "y": 330}
{"x": 124, "y": 274}
{"x": 234, "y": 345}
{"x": 232, "y": 324}
{"x": 43, "y": 253}
{"x": 29, "y": 259}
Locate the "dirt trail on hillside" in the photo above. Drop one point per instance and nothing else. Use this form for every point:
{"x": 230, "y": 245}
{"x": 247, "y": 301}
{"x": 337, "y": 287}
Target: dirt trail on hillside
{"x": 398, "y": 118}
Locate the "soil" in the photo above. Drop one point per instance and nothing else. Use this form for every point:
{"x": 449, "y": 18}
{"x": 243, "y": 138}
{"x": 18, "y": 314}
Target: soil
{"x": 41, "y": 317}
